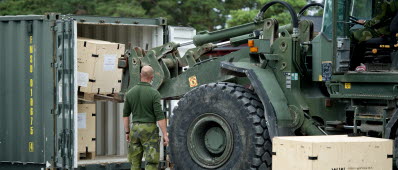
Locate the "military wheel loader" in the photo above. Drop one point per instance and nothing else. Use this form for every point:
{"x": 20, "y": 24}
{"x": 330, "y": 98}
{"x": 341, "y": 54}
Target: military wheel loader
{"x": 277, "y": 81}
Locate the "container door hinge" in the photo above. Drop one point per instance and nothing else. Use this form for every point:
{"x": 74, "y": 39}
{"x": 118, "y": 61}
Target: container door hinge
{"x": 55, "y": 65}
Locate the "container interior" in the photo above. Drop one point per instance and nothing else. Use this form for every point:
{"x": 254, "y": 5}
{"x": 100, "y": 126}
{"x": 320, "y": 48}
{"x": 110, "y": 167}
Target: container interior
{"x": 111, "y": 146}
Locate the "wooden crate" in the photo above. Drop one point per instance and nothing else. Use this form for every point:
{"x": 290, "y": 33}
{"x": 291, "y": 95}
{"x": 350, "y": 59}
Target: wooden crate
{"x": 331, "y": 153}
{"x": 97, "y": 63}
{"x": 86, "y": 129}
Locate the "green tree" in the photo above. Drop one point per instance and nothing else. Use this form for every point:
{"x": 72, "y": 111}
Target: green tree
{"x": 21, "y": 7}
{"x": 120, "y": 8}
{"x": 200, "y": 14}
{"x": 279, "y": 12}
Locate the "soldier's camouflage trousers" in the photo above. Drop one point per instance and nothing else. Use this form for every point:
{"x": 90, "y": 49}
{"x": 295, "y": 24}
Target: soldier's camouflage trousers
{"x": 144, "y": 141}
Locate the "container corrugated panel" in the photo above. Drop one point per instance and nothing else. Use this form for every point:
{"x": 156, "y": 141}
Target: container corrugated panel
{"x": 182, "y": 35}
{"x": 143, "y": 36}
{"x": 110, "y": 133}
{"x": 144, "y": 33}
{"x": 33, "y": 64}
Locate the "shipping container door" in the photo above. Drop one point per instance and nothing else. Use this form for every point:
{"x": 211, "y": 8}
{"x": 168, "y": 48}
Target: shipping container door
{"x": 65, "y": 69}
{"x": 37, "y": 96}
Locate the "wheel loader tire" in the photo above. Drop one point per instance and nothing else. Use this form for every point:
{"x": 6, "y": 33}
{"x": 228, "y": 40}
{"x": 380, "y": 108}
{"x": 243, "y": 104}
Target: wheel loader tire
{"x": 220, "y": 126}
{"x": 395, "y": 167}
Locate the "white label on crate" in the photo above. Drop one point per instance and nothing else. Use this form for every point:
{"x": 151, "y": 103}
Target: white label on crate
{"x": 81, "y": 120}
{"x": 109, "y": 62}
{"x": 82, "y": 79}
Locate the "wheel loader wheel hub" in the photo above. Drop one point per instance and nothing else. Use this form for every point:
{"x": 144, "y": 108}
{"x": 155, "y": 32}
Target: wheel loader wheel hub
{"x": 210, "y": 140}
{"x": 215, "y": 140}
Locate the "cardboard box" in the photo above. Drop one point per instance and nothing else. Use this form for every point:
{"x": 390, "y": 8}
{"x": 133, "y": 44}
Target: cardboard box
{"x": 97, "y": 65}
{"x": 331, "y": 153}
{"x": 86, "y": 128}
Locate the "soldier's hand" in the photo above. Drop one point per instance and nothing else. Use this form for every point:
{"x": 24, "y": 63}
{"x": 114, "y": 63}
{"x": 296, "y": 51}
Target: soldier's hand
{"x": 128, "y": 137}
{"x": 166, "y": 140}
{"x": 361, "y": 21}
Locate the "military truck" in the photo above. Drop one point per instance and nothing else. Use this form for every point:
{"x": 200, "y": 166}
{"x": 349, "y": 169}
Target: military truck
{"x": 270, "y": 80}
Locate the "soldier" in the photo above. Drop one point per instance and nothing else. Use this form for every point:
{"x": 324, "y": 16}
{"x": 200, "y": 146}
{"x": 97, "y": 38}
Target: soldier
{"x": 143, "y": 102}
{"x": 379, "y": 25}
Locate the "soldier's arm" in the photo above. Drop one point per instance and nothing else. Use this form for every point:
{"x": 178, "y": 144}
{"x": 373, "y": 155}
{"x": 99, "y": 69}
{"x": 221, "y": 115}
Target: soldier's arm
{"x": 126, "y": 114}
{"x": 163, "y": 127}
{"x": 160, "y": 118}
{"x": 378, "y": 18}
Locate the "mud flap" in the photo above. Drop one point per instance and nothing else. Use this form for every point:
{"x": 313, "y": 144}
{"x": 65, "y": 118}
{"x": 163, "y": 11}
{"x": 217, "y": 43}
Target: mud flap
{"x": 265, "y": 84}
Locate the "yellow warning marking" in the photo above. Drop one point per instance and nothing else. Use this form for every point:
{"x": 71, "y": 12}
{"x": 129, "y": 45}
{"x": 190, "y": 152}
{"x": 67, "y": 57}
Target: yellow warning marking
{"x": 31, "y": 148}
{"x": 193, "y": 82}
{"x": 31, "y": 130}
{"x": 320, "y": 78}
{"x": 31, "y": 92}
{"x": 31, "y": 68}
{"x": 31, "y": 83}
{"x": 31, "y": 101}
{"x": 31, "y": 120}
{"x": 31, "y": 39}
{"x": 31, "y": 58}
{"x": 31, "y": 49}
{"x": 347, "y": 85}
{"x": 31, "y": 111}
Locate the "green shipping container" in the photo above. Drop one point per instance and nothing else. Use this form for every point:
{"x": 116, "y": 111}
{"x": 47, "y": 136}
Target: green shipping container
{"x": 38, "y": 89}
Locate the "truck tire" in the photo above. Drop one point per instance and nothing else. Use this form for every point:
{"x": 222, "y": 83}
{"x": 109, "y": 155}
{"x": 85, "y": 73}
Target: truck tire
{"x": 219, "y": 126}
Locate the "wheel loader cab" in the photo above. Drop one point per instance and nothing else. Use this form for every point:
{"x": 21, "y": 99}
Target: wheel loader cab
{"x": 377, "y": 54}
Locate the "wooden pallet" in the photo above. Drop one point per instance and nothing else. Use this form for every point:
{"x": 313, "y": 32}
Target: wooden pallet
{"x": 87, "y": 97}
{"x": 86, "y": 155}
